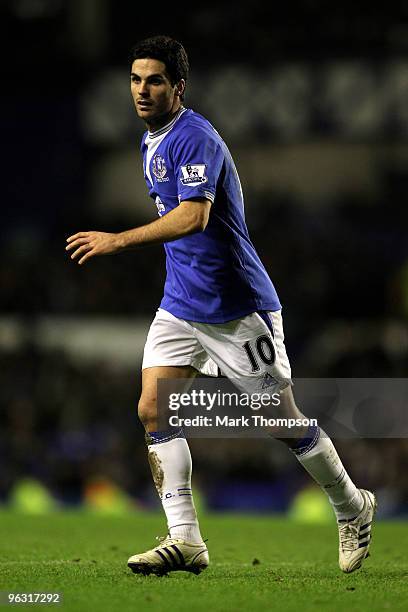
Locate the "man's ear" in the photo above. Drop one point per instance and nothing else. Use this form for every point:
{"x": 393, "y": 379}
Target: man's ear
{"x": 180, "y": 87}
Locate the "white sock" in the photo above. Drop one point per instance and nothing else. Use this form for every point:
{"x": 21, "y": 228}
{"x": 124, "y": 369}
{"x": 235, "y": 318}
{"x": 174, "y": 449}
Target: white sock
{"x": 170, "y": 463}
{"x": 320, "y": 459}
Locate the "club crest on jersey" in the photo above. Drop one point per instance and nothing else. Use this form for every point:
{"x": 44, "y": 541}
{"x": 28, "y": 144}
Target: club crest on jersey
{"x": 193, "y": 174}
{"x": 159, "y": 168}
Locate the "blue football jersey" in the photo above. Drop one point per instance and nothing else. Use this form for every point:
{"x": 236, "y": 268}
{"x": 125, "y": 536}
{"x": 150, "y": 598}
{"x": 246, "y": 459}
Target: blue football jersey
{"x": 213, "y": 276}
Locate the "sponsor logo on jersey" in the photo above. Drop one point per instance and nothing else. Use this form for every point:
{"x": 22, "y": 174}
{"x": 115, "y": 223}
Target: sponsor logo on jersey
{"x": 159, "y": 168}
{"x": 160, "y": 206}
{"x": 193, "y": 174}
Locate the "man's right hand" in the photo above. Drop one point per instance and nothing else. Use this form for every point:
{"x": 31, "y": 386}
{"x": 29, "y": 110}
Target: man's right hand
{"x": 90, "y": 244}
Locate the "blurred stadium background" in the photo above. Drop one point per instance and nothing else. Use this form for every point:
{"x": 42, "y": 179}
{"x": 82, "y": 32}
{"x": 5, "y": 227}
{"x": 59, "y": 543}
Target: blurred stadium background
{"x": 313, "y": 104}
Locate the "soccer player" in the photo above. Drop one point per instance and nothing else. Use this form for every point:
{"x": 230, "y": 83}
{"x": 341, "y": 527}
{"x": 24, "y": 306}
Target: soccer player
{"x": 219, "y": 310}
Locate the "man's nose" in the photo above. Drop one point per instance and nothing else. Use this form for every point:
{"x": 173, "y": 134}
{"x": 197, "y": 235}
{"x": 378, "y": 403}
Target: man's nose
{"x": 143, "y": 88}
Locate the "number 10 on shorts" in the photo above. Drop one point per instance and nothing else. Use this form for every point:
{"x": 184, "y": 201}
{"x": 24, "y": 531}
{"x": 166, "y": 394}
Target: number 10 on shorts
{"x": 264, "y": 349}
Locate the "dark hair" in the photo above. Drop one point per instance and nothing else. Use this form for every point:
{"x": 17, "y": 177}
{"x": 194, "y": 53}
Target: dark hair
{"x": 166, "y": 50}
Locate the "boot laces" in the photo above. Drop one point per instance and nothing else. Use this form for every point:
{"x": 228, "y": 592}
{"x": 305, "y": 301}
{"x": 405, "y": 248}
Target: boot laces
{"x": 348, "y": 536}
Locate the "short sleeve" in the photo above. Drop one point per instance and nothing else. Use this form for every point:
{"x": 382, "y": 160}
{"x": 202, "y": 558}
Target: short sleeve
{"x": 198, "y": 162}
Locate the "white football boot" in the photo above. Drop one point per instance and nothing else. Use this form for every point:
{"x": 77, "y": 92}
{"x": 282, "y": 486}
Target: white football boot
{"x": 355, "y": 535}
{"x": 171, "y": 555}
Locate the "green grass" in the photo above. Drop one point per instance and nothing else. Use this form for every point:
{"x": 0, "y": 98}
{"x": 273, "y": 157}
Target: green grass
{"x": 84, "y": 557}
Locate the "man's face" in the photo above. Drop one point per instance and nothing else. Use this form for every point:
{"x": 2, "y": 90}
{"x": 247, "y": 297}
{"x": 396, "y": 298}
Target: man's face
{"x": 153, "y": 94}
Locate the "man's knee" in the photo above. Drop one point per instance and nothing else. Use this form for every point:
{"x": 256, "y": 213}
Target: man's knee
{"x": 147, "y": 411}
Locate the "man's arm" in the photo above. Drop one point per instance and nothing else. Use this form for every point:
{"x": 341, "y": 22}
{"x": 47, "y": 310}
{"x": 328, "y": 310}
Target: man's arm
{"x": 190, "y": 217}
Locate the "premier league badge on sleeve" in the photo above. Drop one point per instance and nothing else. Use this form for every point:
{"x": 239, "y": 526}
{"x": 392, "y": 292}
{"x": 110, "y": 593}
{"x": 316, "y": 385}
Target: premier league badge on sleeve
{"x": 193, "y": 174}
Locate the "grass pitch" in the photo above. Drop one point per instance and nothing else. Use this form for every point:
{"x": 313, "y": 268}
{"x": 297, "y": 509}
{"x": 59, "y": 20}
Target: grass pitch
{"x": 257, "y": 563}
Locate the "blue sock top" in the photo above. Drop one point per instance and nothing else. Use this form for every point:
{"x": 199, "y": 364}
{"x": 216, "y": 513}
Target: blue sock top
{"x": 308, "y": 442}
{"x": 158, "y": 437}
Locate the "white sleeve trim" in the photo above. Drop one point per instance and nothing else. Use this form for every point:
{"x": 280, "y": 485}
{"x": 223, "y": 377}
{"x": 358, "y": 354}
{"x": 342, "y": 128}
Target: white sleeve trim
{"x": 206, "y": 194}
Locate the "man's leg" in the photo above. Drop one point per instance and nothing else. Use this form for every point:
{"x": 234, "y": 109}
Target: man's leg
{"x": 169, "y": 457}
{"x": 317, "y": 454}
{"x": 170, "y": 463}
{"x": 354, "y": 508}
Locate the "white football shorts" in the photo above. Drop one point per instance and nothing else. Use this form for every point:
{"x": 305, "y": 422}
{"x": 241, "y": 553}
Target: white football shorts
{"x": 252, "y": 346}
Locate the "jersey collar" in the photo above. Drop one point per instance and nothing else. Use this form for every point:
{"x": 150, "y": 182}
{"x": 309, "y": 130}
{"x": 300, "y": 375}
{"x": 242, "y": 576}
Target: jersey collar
{"x": 152, "y": 135}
